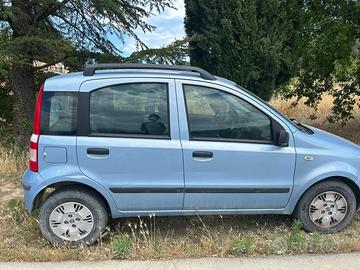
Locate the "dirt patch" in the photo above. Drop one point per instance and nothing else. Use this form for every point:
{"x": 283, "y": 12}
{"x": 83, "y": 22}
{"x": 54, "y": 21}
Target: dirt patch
{"x": 9, "y": 190}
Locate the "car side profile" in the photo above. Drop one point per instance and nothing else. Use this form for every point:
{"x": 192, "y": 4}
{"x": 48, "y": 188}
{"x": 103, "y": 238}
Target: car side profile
{"x": 122, "y": 140}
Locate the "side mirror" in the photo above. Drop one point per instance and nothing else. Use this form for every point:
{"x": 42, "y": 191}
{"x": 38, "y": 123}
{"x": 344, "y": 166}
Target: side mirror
{"x": 282, "y": 139}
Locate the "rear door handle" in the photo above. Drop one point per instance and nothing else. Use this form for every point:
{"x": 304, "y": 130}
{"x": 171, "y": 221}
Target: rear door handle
{"x": 98, "y": 151}
{"x": 202, "y": 154}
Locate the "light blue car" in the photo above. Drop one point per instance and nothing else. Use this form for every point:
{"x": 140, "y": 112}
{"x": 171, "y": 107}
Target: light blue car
{"x": 121, "y": 140}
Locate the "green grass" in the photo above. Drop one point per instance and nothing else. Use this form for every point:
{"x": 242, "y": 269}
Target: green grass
{"x": 295, "y": 239}
{"x": 122, "y": 245}
{"x": 241, "y": 245}
{"x": 16, "y": 211}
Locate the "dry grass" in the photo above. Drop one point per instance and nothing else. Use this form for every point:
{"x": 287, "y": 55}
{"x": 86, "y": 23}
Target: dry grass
{"x": 173, "y": 237}
{"x": 12, "y": 165}
{"x": 305, "y": 114}
{"x": 12, "y": 161}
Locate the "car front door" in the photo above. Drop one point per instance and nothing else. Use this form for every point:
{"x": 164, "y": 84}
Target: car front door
{"x": 129, "y": 142}
{"x": 230, "y": 158}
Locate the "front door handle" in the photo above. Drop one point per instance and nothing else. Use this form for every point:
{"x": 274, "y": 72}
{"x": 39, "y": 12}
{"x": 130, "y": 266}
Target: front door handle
{"x": 202, "y": 154}
{"x": 98, "y": 151}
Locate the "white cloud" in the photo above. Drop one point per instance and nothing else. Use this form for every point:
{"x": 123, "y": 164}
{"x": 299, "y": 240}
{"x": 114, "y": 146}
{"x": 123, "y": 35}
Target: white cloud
{"x": 169, "y": 27}
{"x": 178, "y": 13}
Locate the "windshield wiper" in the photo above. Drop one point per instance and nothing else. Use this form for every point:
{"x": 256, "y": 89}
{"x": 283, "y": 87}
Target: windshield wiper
{"x": 301, "y": 126}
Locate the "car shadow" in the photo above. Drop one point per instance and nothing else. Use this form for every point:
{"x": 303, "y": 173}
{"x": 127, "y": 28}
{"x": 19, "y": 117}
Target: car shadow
{"x": 217, "y": 224}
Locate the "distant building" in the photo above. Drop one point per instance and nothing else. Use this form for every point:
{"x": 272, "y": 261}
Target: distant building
{"x": 58, "y": 68}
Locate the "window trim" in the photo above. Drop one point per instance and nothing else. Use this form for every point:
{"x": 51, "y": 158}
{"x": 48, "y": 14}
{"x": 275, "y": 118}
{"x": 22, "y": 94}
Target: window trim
{"x": 274, "y": 125}
{"x": 130, "y": 136}
{"x": 84, "y": 107}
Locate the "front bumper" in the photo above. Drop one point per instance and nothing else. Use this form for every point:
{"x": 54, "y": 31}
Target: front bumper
{"x": 30, "y": 182}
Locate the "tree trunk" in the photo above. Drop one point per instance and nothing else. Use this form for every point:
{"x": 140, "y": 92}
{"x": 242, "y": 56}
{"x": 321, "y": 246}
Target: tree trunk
{"x": 22, "y": 71}
{"x": 23, "y": 86}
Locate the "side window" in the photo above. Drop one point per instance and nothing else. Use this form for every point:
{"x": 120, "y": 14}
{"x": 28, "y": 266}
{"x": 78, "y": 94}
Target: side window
{"x": 215, "y": 114}
{"x": 130, "y": 109}
{"x": 59, "y": 113}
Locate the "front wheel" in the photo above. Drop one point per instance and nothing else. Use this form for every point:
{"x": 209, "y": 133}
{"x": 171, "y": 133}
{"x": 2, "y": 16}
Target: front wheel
{"x": 326, "y": 207}
{"x": 72, "y": 217}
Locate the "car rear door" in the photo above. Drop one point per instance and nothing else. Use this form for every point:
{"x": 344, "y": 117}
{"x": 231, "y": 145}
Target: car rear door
{"x": 129, "y": 141}
{"x": 230, "y": 159}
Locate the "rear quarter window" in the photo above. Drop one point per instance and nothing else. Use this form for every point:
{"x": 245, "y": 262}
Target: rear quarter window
{"x": 59, "y": 113}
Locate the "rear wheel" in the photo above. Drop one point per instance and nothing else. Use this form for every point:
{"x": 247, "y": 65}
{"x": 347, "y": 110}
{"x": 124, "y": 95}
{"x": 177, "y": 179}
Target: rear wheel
{"x": 326, "y": 207}
{"x": 72, "y": 217}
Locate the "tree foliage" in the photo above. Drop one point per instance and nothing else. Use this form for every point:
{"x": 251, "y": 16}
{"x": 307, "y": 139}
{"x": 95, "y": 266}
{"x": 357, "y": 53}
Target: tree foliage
{"x": 6, "y": 99}
{"x": 304, "y": 48}
{"x": 175, "y": 53}
{"x": 329, "y": 58}
{"x": 250, "y": 42}
{"x": 50, "y": 30}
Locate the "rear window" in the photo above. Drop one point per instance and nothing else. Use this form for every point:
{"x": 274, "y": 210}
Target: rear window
{"x": 59, "y": 113}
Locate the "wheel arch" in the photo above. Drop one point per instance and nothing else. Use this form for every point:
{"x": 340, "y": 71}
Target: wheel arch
{"x": 49, "y": 189}
{"x": 349, "y": 182}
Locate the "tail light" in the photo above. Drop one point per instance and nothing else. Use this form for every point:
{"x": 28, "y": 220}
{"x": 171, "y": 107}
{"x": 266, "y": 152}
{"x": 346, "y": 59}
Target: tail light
{"x": 34, "y": 140}
{"x": 33, "y": 153}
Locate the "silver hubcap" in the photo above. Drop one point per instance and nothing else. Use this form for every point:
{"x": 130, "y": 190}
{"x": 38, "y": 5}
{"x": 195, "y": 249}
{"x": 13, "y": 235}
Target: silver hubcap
{"x": 71, "y": 221}
{"x": 328, "y": 209}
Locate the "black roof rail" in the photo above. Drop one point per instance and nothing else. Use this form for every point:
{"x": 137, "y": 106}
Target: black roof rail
{"x": 89, "y": 70}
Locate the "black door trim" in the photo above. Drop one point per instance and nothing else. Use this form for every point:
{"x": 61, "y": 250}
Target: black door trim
{"x": 83, "y": 114}
{"x": 237, "y": 190}
{"x": 146, "y": 190}
{"x": 197, "y": 190}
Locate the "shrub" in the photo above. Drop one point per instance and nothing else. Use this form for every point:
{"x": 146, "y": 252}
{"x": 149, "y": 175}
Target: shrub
{"x": 122, "y": 246}
{"x": 296, "y": 238}
{"x": 240, "y": 245}
{"x": 16, "y": 210}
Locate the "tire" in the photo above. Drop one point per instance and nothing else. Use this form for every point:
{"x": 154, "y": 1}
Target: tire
{"x": 72, "y": 217}
{"x": 327, "y": 200}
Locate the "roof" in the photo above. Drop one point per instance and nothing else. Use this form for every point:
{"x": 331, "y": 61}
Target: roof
{"x": 89, "y": 70}
{"x": 73, "y": 81}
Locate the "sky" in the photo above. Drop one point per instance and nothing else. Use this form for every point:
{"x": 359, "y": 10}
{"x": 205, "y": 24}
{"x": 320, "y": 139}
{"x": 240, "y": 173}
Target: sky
{"x": 169, "y": 27}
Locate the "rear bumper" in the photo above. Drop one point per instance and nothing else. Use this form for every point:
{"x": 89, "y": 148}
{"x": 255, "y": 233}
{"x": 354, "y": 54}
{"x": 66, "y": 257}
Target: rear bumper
{"x": 30, "y": 182}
